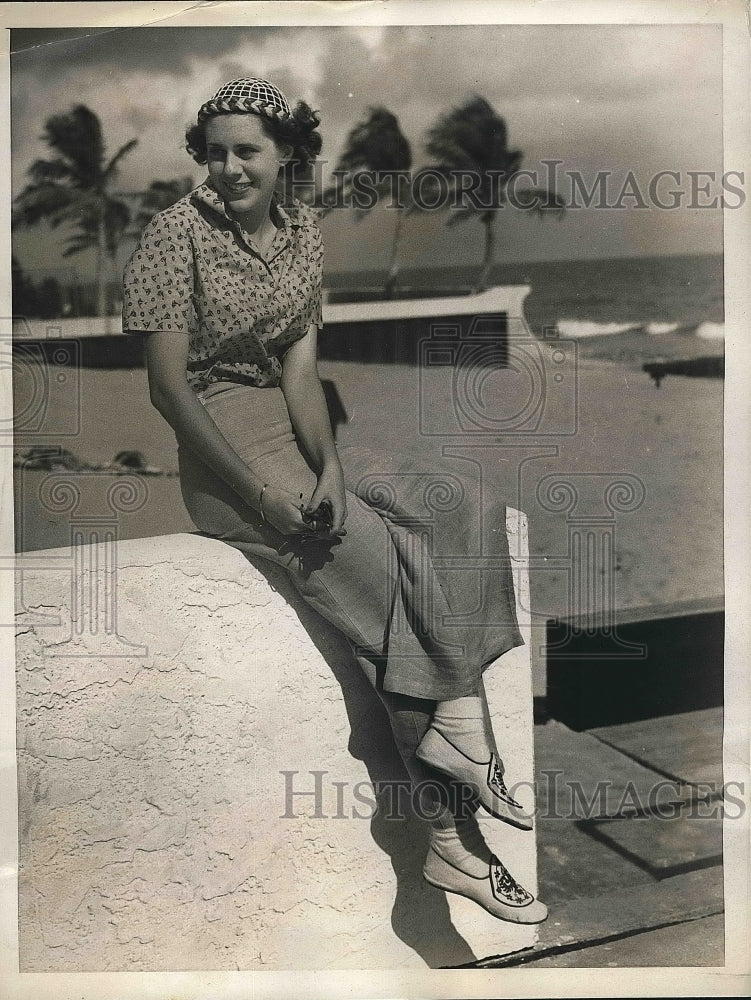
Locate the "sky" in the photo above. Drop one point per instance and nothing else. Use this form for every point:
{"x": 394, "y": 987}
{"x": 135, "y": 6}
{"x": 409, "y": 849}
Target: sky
{"x": 637, "y": 98}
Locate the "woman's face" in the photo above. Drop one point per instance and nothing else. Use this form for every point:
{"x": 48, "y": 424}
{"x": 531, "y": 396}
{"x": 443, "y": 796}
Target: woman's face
{"x": 243, "y": 163}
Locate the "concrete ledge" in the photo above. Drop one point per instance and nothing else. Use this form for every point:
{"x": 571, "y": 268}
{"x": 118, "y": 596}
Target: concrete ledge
{"x": 397, "y": 331}
{"x": 502, "y": 298}
{"x": 586, "y": 921}
{"x": 160, "y": 700}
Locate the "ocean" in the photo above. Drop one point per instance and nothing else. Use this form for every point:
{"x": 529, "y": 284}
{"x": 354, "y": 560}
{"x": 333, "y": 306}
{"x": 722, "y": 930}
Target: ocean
{"x": 619, "y": 309}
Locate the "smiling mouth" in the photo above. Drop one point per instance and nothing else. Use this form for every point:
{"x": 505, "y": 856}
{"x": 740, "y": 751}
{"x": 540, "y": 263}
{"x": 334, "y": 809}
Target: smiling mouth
{"x": 237, "y": 188}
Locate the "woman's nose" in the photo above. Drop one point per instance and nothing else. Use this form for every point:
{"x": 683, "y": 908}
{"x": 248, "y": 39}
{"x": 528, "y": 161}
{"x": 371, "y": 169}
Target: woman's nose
{"x": 232, "y": 166}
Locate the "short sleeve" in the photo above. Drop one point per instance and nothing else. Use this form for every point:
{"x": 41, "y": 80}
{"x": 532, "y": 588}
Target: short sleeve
{"x": 158, "y": 281}
{"x": 313, "y": 311}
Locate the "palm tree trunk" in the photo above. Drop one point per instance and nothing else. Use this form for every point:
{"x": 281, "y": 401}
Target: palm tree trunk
{"x": 390, "y": 284}
{"x": 113, "y": 281}
{"x": 488, "y": 220}
{"x": 101, "y": 252}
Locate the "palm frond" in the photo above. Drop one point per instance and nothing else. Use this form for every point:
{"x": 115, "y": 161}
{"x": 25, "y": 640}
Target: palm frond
{"x": 473, "y": 138}
{"x": 457, "y": 215}
{"x": 110, "y": 170}
{"x": 335, "y": 195}
{"x": 376, "y": 143}
{"x": 52, "y": 170}
{"x": 72, "y": 187}
{"x": 77, "y": 246}
{"x": 52, "y": 202}
{"x": 77, "y": 136}
{"x": 472, "y": 135}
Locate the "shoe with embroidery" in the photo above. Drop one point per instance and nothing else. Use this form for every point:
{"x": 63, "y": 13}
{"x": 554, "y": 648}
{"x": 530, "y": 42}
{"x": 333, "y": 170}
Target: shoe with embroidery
{"x": 498, "y": 892}
{"x": 486, "y": 777}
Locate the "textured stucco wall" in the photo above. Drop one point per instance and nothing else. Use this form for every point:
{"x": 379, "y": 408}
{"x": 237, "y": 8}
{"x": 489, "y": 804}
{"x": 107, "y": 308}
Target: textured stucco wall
{"x": 151, "y": 799}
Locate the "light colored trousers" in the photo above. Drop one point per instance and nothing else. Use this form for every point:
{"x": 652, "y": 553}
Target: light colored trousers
{"x": 422, "y": 628}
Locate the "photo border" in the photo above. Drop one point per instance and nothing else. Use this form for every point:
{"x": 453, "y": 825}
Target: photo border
{"x": 733, "y": 979}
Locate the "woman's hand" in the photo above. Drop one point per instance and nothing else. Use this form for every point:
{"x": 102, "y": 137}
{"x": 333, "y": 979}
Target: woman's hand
{"x": 330, "y": 489}
{"x": 282, "y": 510}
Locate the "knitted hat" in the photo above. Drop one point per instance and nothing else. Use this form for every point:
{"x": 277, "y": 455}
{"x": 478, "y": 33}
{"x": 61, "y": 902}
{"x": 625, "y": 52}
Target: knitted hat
{"x": 249, "y": 95}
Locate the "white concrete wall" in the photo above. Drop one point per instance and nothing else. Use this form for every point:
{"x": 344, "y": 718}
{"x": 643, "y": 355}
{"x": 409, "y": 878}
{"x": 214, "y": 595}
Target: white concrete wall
{"x": 502, "y": 298}
{"x": 152, "y": 805}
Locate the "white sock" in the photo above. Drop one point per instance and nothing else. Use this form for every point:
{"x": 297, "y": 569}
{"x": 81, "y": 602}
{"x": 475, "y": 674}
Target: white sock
{"x": 461, "y": 844}
{"x": 464, "y": 722}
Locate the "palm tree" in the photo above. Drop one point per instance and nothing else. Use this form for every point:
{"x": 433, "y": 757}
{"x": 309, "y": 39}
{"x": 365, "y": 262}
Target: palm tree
{"x": 472, "y": 140}
{"x": 74, "y": 188}
{"x": 376, "y": 146}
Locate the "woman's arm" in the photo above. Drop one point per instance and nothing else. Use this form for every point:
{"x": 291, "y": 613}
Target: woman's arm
{"x": 166, "y": 359}
{"x": 309, "y": 414}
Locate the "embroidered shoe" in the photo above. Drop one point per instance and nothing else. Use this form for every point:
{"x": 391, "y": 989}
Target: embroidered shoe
{"x": 498, "y": 892}
{"x": 485, "y": 777}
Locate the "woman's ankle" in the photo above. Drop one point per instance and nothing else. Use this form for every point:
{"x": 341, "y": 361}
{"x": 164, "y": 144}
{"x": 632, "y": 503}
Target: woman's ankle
{"x": 461, "y": 844}
{"x": 465, "y": 723}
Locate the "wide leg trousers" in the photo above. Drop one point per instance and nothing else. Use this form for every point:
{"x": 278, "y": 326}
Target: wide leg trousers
{"x": 421, "y": 584}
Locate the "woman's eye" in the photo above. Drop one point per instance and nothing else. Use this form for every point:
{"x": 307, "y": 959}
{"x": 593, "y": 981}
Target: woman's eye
{"x": 242, "y": 152}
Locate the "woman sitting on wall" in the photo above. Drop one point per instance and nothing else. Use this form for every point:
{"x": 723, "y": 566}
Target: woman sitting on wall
{"x": 225, "y": 286}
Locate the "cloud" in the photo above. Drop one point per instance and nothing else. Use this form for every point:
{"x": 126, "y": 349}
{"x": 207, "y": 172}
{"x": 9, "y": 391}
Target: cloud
{"x": 163, "y": 50}
{"x": 572, "y": 84}
{"x": 147, "y": 82}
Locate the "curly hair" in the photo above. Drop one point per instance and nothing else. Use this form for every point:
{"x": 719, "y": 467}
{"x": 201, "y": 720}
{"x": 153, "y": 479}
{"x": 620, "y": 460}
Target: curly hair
{"x": 300, "y": 131}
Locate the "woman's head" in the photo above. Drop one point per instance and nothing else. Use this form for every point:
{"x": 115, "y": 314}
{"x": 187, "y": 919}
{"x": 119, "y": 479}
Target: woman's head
{"x": 293, "y": 130}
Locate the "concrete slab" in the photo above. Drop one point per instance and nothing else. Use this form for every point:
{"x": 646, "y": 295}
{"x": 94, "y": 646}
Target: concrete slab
{"x": 498, "y": 299}
{"x": 595, "y": 920}
{"x": 581, "y": 777}
{"x": 572, "y": 863}
{"x": 662, "y": 845}
{"x": 580, "y": 780}
{"x": 696, "y": 944}
{"x": 687, "y": 746}
{"x": 647, "y": 663}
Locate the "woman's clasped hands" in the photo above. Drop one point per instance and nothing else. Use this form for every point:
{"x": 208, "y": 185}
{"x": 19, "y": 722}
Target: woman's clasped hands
{"x": 320, "y": 519}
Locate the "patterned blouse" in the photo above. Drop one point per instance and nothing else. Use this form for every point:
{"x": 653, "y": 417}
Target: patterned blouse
{"x": 195, "y": 271}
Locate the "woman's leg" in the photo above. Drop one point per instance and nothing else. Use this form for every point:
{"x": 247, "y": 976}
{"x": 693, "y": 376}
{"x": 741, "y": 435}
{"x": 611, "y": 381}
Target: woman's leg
{"x": 369, "y": 586}
{"x": 358, "y": 598}
{"x": 460, "y": 743}
{"x": 439, "y": 799}
{"x": 458, "y": 858}
{"x": 348, "y": 583}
